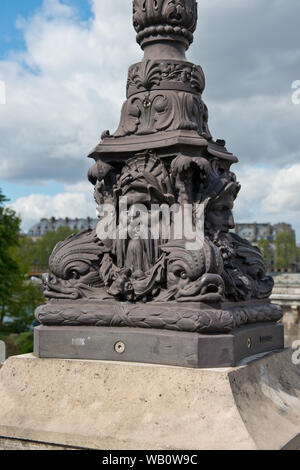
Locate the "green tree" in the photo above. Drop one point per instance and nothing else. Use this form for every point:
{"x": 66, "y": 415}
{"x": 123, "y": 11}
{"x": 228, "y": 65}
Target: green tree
{"x": 47, "y": 243}
{"x": 285, "y": 251}
{"x": 9, "y": 268}
{"x": 17, "y": 343}
{"x": 298, "y": 257}
{"x": 24, "y": 342}
{"x": 27, "y": 252}
{"x": 26, "y": 298}
{"x": 266, "y": 248}
{"x": 18, "y": 296}
{"x": 298, "y": 254}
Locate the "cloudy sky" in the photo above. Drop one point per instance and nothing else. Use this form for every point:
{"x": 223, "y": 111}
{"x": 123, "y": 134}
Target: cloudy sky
{"x": 64, "y": 64}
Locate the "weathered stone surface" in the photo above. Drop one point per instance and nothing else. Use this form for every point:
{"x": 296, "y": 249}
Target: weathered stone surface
{"x": 111, "y": 405}
{"x": 19, "y": 444}
{"x": 2, "y": 352}
{"x": 286, "y": 290}
{"x": 286, "y": 293}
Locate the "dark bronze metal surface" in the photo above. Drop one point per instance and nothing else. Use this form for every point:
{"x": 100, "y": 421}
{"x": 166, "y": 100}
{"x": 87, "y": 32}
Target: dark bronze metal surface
{"x": 162, "y": 154}
{"x": 157, "y": 346}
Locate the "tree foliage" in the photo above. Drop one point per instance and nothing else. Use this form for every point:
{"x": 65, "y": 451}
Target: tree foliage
{"x": 18, "y": 295}
{"x": 27, "y": 252}
{"x": 298, "y": 254}
{"x": 46, "y": 244}
{"x": 9, "y": 268}
{"x": 17, "y": 343}
{"x": 285, "y": 251}
{"x": 267, "y": 250}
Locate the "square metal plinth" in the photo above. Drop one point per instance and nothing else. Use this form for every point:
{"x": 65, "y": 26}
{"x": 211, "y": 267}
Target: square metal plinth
{"x": 151, "y": 346}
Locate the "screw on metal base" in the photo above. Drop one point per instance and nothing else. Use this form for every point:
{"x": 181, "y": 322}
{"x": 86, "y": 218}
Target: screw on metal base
{"x": 120, "y": 347}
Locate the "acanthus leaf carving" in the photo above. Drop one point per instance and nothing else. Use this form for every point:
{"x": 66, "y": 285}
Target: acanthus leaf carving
{"x": 163, "y": 111}
{"x": 154, "y": 74}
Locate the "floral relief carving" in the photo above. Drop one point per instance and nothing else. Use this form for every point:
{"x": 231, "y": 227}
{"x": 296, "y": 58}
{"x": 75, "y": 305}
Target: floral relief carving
{"x": 149, "y": 74}
{"x": 169, "y": 110}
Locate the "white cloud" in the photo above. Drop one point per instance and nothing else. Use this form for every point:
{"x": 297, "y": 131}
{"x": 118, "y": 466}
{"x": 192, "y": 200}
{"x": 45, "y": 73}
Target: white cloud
{"x": 63, "y": 91}
{"x": 285, "y": 192}
{"x": 76, "y": 201}
{"x": 269, "y": 195}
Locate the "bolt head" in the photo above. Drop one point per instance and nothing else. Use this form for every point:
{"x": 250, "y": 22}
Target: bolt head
{"x": 120, "y": 347}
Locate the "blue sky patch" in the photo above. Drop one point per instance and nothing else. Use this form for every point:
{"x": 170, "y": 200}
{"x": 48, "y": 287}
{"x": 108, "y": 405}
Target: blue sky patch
{"x": 11, "y": 38}
{"x": 14, "y": 191}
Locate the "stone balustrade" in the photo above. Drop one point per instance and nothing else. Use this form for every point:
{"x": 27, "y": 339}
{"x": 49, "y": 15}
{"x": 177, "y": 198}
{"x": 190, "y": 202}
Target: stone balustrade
{"x": 287, "y": 294}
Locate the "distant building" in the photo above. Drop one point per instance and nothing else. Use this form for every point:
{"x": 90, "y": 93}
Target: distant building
{"x": 255, "y": 232}
{"x": 51, "y": 225}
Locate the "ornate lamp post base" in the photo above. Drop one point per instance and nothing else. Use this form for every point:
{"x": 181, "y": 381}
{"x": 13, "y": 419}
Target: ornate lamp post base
{"x": 164, "y": 163}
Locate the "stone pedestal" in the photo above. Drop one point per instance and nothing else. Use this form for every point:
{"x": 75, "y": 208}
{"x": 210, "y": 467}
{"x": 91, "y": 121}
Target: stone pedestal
{"x": 116, "y": 406}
